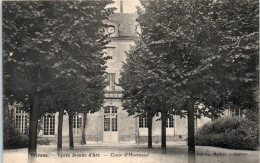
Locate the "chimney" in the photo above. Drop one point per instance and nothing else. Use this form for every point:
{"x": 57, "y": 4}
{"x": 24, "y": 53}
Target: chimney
{"x": 121, "y": 6}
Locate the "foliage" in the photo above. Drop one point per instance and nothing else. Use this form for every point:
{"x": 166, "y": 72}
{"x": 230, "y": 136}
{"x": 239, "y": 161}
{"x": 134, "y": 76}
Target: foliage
{"x": 12, "y": 138}
{"x": 47, "y": 43}
{"x": 173, "y": 60}
{"x": 85, "y": 40}
{"x": 229, "y": 132}
{"x": 140, "y": 89}
{"x": 193, "y": 53}
{"x": 43, "y": 141}
{"x": 42, "y": 43}
{"x": 239, "y": 47}
{"x": 252, "y": 115}
{"x": 196, "y": 43}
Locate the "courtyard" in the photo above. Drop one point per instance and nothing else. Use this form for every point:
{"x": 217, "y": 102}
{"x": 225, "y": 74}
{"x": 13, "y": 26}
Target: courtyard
{"x": 81, "y": 71}
{"x": 131, "y": 153}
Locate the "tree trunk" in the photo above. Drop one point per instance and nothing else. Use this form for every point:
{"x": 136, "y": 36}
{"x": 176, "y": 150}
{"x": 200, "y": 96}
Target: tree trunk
{"x": 60, "y": 124}
{"x": 150, "y": 121}
{"x": 163, "y": 143}
{"x": 71, "y": 130}
{"x": 32, "y": 144}
{"x": 83, "y": 138}
{"x": 7, "y": 115}
{"x": 191, "y": 138}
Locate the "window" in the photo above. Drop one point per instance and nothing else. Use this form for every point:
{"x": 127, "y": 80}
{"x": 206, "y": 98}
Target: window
{"x": 114, "y": 110}
{"x": 110, "y": 51}
{"x": 143, "y": 122}
{"x": 114, "y": 122}
{"x": 106, "y": 122}
{"x": 110, "y": 109}
{"x": 235, "y": 112}
{"x": 48, "y": 124}
{"x": 107, "y": 109}
{"x": 77, "y": 124}
{"x": 110, "y": 118}
{"x": 21, "y": 120}
{"x": 111, "y": 81}
{"x": 170, "y": 122}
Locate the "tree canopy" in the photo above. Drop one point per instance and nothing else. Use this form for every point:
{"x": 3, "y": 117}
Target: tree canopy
{"x": 48, "y": 43}
{"x": 194, "y": 52}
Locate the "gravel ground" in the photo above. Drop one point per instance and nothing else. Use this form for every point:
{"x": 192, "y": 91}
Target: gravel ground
{"x": 131, "y": 154}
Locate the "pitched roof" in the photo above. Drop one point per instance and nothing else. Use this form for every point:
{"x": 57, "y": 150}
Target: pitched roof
{"x": 127, "y": 23}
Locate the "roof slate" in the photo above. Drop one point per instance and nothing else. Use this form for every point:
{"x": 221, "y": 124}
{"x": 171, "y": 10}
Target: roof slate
{"x": 127, "y": 23}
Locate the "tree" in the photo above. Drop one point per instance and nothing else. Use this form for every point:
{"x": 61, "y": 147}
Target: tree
{"x": 88, "y": 44}
{"x": 144, "y": 82}
{"x": 27, "y": 56}
{"x": 82, "y": 52}
{"x": 87, "y": 97}
{"x": 43, "y": 41}
{"x": 197, "y": 40}
{"x": 134, "y": 95}
{"x": 94, "y": 100}
{"x": 168, "y": 58}
{"x": 240, "y": 46}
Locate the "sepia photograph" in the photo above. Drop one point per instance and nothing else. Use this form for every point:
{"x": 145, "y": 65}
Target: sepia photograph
{"x": 130, "y": 81}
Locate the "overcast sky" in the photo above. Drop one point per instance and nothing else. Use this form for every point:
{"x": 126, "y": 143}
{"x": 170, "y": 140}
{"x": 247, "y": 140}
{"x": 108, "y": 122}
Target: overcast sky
{"x": 128, "y": 5}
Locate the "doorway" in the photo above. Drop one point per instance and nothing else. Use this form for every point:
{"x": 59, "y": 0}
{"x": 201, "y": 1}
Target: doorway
{"x": 110, "y": 132}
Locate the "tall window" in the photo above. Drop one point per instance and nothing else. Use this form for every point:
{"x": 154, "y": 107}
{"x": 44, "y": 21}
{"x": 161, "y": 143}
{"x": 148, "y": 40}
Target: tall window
{"x": 110, "y": 51}
{"x": 106, "y": 122}
{"x": 110, "y": 118}
{"x": 77, "y": 124}
{"x": 21, "y": 120}
{"x": 143, "y": 122}
{"x": 49, "y": 124}
{"x": 114, "y": 122}
{"x": 111, "y": 81}
{"x": 170, "y": 122}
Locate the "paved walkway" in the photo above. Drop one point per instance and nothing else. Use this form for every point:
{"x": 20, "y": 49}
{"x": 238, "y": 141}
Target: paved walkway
{"x": 131, "y": 154}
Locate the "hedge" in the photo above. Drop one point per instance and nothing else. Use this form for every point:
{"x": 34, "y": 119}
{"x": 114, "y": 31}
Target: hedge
{"x": 229, "y": 132}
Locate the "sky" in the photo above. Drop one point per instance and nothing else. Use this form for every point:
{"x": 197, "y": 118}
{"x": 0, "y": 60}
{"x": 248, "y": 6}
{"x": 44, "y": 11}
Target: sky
{"x": 128, "y": 5}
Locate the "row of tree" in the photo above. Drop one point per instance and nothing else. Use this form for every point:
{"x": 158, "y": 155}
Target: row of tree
{"x": 53, "y": 59}
{"x": 192, "y": 52}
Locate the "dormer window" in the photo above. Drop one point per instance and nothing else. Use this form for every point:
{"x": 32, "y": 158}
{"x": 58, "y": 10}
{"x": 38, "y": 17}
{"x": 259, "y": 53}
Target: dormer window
{"x": 111, "y": 28}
